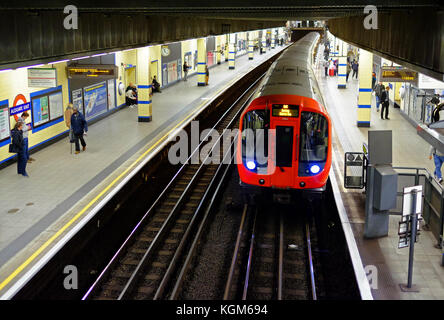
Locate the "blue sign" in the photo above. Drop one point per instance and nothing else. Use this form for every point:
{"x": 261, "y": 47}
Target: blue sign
{"x": 95, "y": 99}
{"x": 20, "y": 108}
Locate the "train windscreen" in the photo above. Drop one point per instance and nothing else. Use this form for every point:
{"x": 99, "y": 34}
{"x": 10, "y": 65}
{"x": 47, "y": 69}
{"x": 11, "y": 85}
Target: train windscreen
{"x": 314, "y": 137}
{"x": 255, "y": 138}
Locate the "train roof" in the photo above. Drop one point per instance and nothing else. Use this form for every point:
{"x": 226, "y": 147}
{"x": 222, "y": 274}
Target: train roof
{"x": 292, "y": 73}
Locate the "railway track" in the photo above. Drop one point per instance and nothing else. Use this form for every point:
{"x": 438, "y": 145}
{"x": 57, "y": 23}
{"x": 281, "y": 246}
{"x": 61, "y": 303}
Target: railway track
{"x": 273, "y": 258}
{"x": 153, "y": 261}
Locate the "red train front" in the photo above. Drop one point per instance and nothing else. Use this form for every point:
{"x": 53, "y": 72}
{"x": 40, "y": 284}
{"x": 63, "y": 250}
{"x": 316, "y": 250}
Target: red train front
{"x": 285, "y": 132}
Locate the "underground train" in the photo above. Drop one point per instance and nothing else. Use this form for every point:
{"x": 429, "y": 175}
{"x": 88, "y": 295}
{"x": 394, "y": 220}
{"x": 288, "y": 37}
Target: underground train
{"x": 285, "y": 131}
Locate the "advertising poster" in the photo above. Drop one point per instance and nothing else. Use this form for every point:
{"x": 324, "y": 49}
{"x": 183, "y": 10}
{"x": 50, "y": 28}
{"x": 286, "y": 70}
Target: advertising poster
{"x": 77, "y": 99}
{"x": 40, "y": 110}
{"x": 95, "y": 100}
{"x": 56, "y": 105}
{"x": 4, "y": 122}
{"x": 111, "y": 94}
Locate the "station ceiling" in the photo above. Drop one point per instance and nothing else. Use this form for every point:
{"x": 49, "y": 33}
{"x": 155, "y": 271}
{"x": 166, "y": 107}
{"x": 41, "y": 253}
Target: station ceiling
{"x": 410, "y": 32}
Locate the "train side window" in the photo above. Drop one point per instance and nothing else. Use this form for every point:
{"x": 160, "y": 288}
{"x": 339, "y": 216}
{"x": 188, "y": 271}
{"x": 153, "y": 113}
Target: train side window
{"x": 313, "y": 137}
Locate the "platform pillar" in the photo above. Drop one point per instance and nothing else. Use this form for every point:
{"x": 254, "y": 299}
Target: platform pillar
{"x": 218, "y": 48}
{"x": 144, "y": 91}
{"x": 231, "y": 52}
{"x": 227, "y": 40}
{"x": 273, "y": 38}
{"x": 201, "y": 61}
{"x": 264, "y": 41}
{"x": 342, "y": 72}
{"x": 365, "y": 88}
{"x": 250, "y": 45}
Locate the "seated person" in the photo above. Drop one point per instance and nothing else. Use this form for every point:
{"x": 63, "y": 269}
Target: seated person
{"x": 156, "y": 85}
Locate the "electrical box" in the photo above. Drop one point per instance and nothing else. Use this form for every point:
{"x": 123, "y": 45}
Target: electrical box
{"x": 385, "y": 188}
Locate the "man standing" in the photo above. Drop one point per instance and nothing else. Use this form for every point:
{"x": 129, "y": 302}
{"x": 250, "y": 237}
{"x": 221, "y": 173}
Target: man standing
{"x": 25, "y": 130}
{"x": 378, "y": 93}
{"x": 385, "y": 103}
{"x": 438, "y": 158}
{"x": 78, "y": 125}
{"x": 355, "y": 67}
{"x": 185, "y": 71}
{"x": 326, "y": 67}
{"x": 348, "y": 71}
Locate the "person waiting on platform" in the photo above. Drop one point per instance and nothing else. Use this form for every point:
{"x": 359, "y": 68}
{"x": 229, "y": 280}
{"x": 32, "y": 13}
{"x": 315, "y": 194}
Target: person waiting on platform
{"x": 355, "y": 67}
{"x": 348, "y": 70}
{"x": 207, "y": 75}
{"x": 373, "y": 80}
{"x": 438, "y": 158}
{"x": 130, "y": 95}
{"x": 156, "y": 85}
{"x": 25, "y": 128}
{"x": 385, "y": 103}
{"x": 326, "y": 63}
{"x": 18, "y": 146}
{"x": 185, "y": 71}
{"x": 79, "y": 126}
{"x": 378, "y": 94}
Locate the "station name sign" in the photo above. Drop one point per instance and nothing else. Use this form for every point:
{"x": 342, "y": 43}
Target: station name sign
{"x": 93, "y": 71}
{"x": 398, "y": 74}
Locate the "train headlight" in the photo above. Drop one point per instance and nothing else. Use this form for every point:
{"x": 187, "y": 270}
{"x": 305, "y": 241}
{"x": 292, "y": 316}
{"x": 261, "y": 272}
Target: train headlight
{"x": 315, "y": 169}
{"x": 251, "y": 165}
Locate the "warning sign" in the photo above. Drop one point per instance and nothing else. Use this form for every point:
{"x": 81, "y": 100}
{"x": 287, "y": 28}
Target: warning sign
{"x": 354, "y": 170}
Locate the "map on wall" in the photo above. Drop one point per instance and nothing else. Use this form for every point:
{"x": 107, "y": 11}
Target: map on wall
{"x": 40, "y": 110}
{"x": 56, "y": 105}
{"x": 4, "y": 122}
{"x": 95, "y": 100}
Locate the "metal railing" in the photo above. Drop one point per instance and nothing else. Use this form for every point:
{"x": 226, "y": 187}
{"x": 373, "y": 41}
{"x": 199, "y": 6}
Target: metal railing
{"x": 433, "y": 197}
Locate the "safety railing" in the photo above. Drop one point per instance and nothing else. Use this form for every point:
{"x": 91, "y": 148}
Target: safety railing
{"x": 433, "y": 197}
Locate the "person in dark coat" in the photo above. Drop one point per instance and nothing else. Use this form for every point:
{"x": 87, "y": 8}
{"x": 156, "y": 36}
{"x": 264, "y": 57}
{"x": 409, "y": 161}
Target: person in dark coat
{"x": 18, "y": 145}
{"x": 79, "y": 126}
{"x": 385, "y": 103}
{"x": 355, "y": 67}
{"x": 156, "y": 85}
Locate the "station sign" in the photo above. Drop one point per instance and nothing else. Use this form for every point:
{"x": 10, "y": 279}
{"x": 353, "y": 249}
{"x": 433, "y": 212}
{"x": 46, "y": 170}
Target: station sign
{"x": 101, "y": 71}
{"x": 398, "y": 74}
{"x": 42, "y": 77}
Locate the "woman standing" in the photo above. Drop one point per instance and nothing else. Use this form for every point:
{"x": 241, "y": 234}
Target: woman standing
{"x": 19, "y": 147}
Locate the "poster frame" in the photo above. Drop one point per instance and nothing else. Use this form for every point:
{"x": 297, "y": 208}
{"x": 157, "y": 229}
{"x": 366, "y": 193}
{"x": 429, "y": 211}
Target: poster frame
{"x": 5, "y": 103}
{"x": 47, "y": 93}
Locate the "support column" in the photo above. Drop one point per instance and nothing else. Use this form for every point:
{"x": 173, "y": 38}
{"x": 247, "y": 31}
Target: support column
{"x": 231, "y": 52}
{"x": 264, "y": 40}
{"x": 250, "y": 45}
{"x": 273, "y": 38}
{"x": 365, "y": 88}
{"x": 218, "y": 47}
{"x": 144, "y": 108}
{"x": 227, "y": 41}
{"x": 342, "y": 72}
{"x": 201, "y": 60}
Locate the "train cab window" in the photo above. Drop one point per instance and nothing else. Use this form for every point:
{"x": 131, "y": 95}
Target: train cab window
{"x": 314, "y": 137}
{"x": 255, "y": 138}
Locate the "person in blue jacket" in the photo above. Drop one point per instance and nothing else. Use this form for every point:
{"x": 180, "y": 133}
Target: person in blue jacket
{"x": 79, "y": 126}
{"x": 18, "y": 145}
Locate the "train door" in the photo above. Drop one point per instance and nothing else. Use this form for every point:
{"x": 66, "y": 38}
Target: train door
{"x": 284, "y": 153}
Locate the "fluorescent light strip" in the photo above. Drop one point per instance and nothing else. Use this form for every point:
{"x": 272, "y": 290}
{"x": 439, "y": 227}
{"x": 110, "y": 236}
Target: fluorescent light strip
{"x": 100, "y": 54}
{"x": 60, "y": 61}
{"x": 5, "y": 70}
{"x": 81, "y": 58}
{"x": 34, "y": 66}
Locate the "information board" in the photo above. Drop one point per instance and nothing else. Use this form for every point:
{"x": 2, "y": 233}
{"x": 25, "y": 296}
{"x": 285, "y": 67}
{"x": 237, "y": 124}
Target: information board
{"x": 56, "y": 105}
{"x": 95, "y": 100}
{"x": 77, "y": 99}
{"x": 40, "y": 110}
{"x": 398, "y": 74}
{"x": 42, "y": 77}
{"x": 4, "y": 122}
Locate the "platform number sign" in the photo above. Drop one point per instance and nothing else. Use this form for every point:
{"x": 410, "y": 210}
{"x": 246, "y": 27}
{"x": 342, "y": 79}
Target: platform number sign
{"x": 354, "y": 170}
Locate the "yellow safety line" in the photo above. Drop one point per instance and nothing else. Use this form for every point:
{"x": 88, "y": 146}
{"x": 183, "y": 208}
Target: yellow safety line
{"x": 78, "y": 215}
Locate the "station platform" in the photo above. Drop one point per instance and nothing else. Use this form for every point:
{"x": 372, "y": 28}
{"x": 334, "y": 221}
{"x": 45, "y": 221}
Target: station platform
{"x": 39, "y": 214}
{"x": 409, "y": 150}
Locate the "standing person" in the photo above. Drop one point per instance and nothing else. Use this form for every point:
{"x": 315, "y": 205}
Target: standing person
{"x": 373, "y": 80}
{"x": 385, "y": 103}
{"x": 378, "y": 93}
{"x": 348, "y": 71}
{"x": 185, "y": 71}
{"x": 130, "y": 98}
{"x": 19, "y": 146}
{"x": 355, "y": 67}
{"x": 207, "y": 75}
{"x": 326, "y": 67}
{"x": 25, "y": 129}
{"x": 68, "y": 114}
{"x": 79, "y": 125}
{"x": 438, "y": 158}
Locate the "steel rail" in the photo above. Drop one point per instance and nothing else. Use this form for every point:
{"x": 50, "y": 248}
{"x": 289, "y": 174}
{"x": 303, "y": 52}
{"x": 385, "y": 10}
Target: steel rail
{"x": 131, "y": 236}
{"x": 236, "y": 253}
{"x": 310, "y": 261}
{"x": 281, "y": 256}
{"x": 250, "y": 258}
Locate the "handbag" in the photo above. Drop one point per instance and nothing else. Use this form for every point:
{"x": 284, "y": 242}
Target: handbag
{"x": 11, "y": 148}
